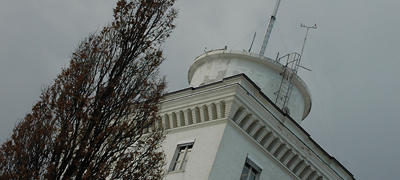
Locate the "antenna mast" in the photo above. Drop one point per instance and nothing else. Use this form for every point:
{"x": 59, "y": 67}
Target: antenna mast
{"x": 254, "y": 37}
{"x": 305, "y": 37}
{"x": 289, "y": 72}
{"x": 269, "y": 28}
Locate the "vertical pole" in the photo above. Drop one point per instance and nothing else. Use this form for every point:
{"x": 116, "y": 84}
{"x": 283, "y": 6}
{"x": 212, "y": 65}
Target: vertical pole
{"x": 305, "y": 37}
{"x": 254, "y": 37}
{"x": 304, "y": 43}
{"x": 269, "y": 28}
{"x": 297, "y": 64}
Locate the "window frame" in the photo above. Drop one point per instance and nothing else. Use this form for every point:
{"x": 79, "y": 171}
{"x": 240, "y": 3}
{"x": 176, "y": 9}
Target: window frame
{"x": 252, "y": 167}
{"x": 174, "y": 161}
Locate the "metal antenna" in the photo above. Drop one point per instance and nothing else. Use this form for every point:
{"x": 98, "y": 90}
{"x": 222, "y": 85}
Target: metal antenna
{"x": 305, "y": 37}
{"x": 269, "y": 28}
{"x": 254, "y": 37}
{"x": 290, "y": 70}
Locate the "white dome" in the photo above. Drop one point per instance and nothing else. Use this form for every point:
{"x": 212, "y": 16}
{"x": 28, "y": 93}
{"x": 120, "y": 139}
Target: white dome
{"x": 216, "y": 65}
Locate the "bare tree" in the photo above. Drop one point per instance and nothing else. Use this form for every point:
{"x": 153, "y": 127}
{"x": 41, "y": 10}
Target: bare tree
{"x": 91, "y": 122}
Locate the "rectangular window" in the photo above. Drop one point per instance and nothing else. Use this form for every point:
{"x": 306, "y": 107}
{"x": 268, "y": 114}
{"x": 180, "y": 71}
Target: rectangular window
{"x": 181, "y": 157}
{"x": 250, "y": 171}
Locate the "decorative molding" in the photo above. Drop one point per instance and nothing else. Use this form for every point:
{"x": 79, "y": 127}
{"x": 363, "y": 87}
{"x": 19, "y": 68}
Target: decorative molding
{"x": 235, "y": 101}
{"x": 275, "y": 145}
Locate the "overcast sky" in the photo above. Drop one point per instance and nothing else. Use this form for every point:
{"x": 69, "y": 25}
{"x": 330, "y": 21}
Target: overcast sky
{"x": 354, "y": 57}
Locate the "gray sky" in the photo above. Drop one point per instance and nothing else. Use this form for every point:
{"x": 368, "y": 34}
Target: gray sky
{"x": 353, "y": 56}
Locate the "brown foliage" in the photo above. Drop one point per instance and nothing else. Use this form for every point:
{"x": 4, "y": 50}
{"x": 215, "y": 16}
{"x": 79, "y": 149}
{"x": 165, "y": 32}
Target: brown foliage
{"x": 90, "y": 123}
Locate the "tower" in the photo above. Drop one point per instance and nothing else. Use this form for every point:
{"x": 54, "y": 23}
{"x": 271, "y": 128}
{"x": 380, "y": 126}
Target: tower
{"x": 240, "y": 119}
{"x": 228, "y": 124}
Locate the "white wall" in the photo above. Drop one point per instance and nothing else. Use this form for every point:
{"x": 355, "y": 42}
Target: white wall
{"x": 232, "y": 153}
{"x": 264, "y": 73}
{"x": 207, "y": 138}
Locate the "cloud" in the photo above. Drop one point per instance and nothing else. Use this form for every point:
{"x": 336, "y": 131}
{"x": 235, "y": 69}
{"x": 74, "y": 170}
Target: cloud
{"x": 353, "y": 56}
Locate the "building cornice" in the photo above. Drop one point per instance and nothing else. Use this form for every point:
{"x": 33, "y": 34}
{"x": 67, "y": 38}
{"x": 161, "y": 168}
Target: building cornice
{"x": 187, "y": 108}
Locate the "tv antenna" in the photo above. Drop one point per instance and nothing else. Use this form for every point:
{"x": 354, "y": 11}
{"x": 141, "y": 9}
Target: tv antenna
{"x": 289, "y": 71}
{"x": 305, "y": 37}
{"x": 269, "y": 28}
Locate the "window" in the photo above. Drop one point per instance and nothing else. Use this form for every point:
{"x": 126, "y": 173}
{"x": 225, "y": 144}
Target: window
{"x": 181, "y": 157}
{"x": 250, "y": 171}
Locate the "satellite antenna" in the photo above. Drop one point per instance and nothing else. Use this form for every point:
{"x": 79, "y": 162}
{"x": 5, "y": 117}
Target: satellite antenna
{"x": 269, "y": 28}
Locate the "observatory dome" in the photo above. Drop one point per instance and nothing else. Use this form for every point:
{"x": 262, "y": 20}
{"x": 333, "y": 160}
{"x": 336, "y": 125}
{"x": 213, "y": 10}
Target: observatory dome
{"x": 266, "y": 73}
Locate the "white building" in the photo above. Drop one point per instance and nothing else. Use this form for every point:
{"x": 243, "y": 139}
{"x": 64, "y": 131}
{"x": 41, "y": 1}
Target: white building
{"x": 227, "y": 125}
